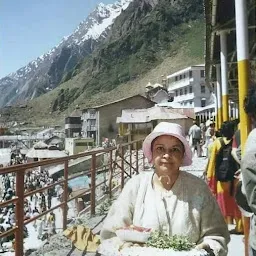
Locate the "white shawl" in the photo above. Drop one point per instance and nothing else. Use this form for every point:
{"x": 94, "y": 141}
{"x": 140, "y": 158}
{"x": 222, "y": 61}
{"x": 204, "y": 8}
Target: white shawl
{"x": 187, "y": 209}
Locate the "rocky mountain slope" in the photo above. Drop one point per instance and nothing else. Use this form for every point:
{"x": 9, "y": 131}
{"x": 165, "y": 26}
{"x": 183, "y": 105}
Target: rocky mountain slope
{"x": 47, "y": 71}
{"x": 148, "y": 39}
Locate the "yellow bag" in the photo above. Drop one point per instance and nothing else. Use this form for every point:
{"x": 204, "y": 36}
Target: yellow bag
{"x": 82, "y": 238}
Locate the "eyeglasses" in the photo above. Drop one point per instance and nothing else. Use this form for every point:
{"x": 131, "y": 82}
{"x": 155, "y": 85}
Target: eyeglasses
{"x": 176, "y": 151}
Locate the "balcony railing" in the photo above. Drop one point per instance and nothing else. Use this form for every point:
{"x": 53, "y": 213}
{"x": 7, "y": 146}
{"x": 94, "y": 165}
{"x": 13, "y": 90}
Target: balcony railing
{"x": 180, "y": 83}
{"x": 125, "y": 159}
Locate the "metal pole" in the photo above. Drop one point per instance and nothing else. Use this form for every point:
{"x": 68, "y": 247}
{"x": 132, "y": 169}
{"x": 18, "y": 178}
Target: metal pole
{"x": 224, "y": 73}
{"x": 93, "y": 183}
{"x": 19, "y": 212}
{"x": 111, "y": 173}
{"x": 65, "y": 196}
{"x": 216, "y": 106}
{"x": 243, "y": 84}
{"x": 122, "y": 167}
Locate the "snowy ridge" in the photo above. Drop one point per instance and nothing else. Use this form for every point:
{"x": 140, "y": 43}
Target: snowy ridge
{"x": 93, "y": 27}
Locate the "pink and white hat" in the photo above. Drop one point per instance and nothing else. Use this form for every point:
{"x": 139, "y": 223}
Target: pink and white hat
{"x": 165, "y": 128}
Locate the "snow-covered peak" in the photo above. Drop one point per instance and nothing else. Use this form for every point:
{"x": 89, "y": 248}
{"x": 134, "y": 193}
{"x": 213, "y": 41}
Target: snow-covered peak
{"x": 100, "y": 19}
{"x": 93, "y": 27}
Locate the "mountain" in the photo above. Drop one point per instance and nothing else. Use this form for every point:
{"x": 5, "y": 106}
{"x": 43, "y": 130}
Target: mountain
{"x": 47, "y": 71}
{"x": 140, "y": 38}
{"x": 149, "y": 38}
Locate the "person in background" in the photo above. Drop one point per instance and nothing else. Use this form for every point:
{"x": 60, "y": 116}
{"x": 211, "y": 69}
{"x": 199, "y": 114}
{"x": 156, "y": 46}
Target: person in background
{"x": 223, "y": 191}
{"x": 195, "y": 136}
{"x": 210, "y": 131}
{"x": 203, "y": 130}
{"x": 248, "y": 167}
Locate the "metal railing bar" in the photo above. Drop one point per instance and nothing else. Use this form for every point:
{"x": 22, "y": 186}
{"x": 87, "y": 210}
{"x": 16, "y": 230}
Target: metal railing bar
{"x": 20, "y": 167}
{"x": 114, "y": 175}
{"x": 79, "y": 175}
{"x": 24, "y": 167}
{"x": 97, "y": 185}
{"x": 13, "y": 200}
{"x": 43, "y": 213}
{"x": 42, "y": 189}
{"x": 8, "y": 232}
{"x": 81, "y": 194}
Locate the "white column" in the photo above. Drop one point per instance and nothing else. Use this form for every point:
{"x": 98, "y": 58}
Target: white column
{"x": 237, "y": 110}
{"x": 219, "y": 96}
{"x": 224, "y": 73}
{"x": 243, "y": 65}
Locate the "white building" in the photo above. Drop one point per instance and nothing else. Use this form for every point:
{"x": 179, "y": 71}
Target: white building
{"x": 189, "y": 90}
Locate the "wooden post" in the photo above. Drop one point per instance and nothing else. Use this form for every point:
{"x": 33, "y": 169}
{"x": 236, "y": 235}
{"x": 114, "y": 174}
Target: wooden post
{"x": 122, "y": 167}
{"x": 19, "y": 212}
{"x": 246, "y": 223}
{"x": 65, "y": 196}
{"x": 111, "y": 173}
{"x": 93, "y": 182}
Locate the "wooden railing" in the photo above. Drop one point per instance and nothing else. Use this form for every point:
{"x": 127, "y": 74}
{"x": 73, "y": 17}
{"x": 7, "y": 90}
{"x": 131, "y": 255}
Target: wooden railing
{"x": 124, "y": 158}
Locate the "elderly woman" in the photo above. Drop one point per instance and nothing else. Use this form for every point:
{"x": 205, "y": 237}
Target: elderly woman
{"x": 169, "y": 200}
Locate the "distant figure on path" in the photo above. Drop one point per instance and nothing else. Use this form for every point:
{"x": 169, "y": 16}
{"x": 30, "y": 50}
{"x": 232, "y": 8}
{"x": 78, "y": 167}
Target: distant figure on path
{"x": 195, "y": 135}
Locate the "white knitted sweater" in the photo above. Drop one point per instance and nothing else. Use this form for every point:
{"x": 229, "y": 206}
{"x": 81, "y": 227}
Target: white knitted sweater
{"x": 187, "y": 209}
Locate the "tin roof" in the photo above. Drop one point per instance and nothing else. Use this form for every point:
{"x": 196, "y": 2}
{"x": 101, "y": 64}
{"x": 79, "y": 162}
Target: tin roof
{"x": 119, "y": 100}
{"x": 147, "y": 115}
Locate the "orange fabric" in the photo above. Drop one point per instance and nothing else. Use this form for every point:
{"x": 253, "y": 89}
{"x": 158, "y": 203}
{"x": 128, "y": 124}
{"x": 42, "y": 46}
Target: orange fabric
{"x": 221, "y": 190}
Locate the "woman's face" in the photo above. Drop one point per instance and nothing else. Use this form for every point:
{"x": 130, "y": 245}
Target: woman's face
{"x": 168, "y": 153}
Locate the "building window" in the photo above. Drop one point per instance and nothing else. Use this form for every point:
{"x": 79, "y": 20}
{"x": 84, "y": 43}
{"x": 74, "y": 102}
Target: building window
{"x": 92, "y": 122}
{"x": 190, "y": 89}
{"x": 176, "y": 78}
{"x": 176, "y": 93}
{"x": 203, "y": 102}
{"x": 185, "y": 91}
{"x": 202, "y": 88}
{"x": 184, "y": 76}
{"x": 180, "y": 77}
{"x": 190, "y": 74}
{"x": 181, "y": 92}
{"x": 202, "y": 73}
{"x": 191, "y": 103}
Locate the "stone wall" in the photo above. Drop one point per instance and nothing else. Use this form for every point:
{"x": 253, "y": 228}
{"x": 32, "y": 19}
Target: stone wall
{"x": 109, "y": 113}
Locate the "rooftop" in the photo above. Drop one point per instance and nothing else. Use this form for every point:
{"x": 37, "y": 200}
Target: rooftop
{"x": 186, "y": 70}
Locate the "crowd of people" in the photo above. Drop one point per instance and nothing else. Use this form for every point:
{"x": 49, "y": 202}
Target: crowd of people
{"x": 33, "y": 205}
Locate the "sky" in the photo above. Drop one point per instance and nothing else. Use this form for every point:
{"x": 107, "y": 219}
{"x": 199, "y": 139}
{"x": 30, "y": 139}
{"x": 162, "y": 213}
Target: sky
{"x": 30, "y": 28}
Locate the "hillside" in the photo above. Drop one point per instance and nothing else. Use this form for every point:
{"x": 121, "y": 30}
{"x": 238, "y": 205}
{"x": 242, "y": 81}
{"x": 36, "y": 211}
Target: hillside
{"x": 147, "y": 40}
{"x": 47, "y": 71}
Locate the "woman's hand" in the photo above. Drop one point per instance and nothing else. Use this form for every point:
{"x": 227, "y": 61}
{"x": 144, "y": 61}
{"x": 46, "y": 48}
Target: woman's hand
{"x": 237, "y": 174}
{"x": 206, "y": 247}
{"x": 136, "y": 228}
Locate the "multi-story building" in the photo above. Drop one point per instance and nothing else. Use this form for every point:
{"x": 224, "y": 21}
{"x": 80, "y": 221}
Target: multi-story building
{"x": 189, "y": 90}
{"x": 99, "y": 122}
{"x": 73, "y": 124}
